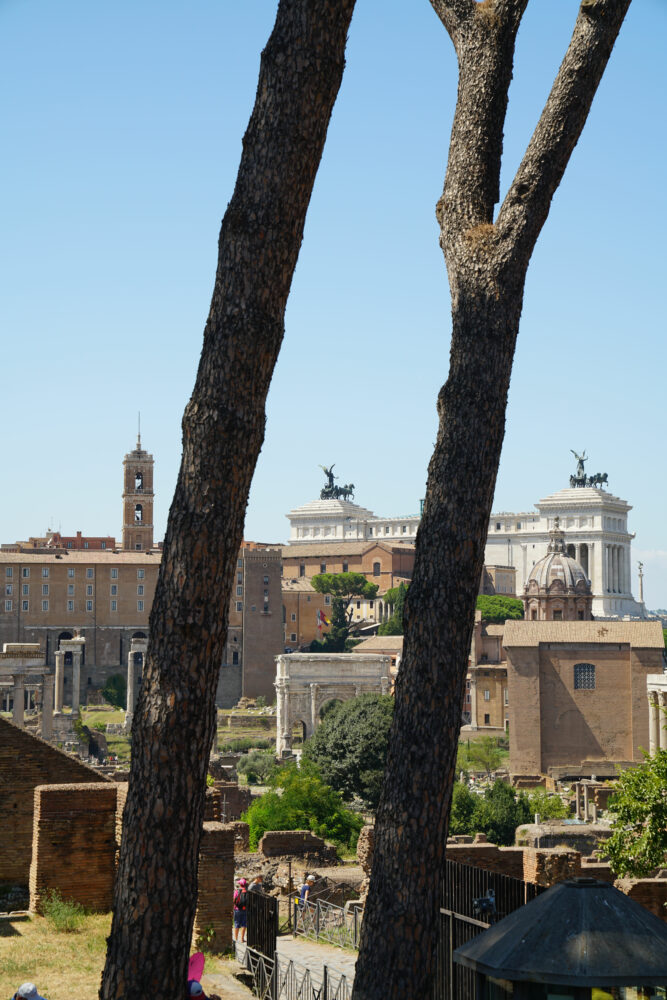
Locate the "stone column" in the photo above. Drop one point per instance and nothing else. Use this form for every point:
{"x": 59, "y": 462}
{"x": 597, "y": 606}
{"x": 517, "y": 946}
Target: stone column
{"x": 662, "y": 738}
{"x": 60, "y": 677}
{"x": 47, "y": 706}
{"x": 577, "y": 799}
{"x": 19, "y": 700}
{"x": 76, "y": 680}
{"x": 385, "y": 685}
{"x": 653, "y": 722}
{"x": 313, "y": 707}
{"x": 473, "y": 700}
{"x": 131, "y": 691}
{"x": 585, "y": 802}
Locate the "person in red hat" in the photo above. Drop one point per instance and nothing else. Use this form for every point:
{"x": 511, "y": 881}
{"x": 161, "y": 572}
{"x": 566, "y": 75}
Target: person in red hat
{"x": 240, "y": 915}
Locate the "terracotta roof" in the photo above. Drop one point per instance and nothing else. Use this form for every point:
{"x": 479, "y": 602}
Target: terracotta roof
{"x": 392, "y": 642}
{"x": 323, "y": 548}
{"x": 300, "y": 584}
{"x": 639, "y": 634}
{"x": 69, "y": 556}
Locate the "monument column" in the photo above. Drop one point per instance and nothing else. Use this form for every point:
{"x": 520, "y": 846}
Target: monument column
{"x": 47, "y": 706}
{"x": 473, "y": 699}
{"x": 76, "y": 680}
{"x": 60, "y": 676}
{"x": 19, "y": 699}
{"x": 131, "y": 696}
{"x": 653, "y": 722}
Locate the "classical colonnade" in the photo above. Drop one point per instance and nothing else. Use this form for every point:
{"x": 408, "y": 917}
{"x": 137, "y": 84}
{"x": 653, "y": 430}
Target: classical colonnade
{"x": 617, "y": 570}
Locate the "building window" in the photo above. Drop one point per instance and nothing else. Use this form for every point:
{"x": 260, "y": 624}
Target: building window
{"x": 405, "y": 529}
{"x": 140, "y": 605}
{"x": 377, "y": 569}
{"x": 70, "y": 589}
{"x": 104, "y": 545}
{"x": 90, "y": 573}
{"x": 9, "y": 571}
{"x": 370, "y": 531}
{"x": 266, "y": 595}
{"x": 25, "y": 589}
{"x": 70, "y": 573}
{"x": 114, "y": 573}
{"x": 25, "y": 605}
{"x": 70, "y": 605}
{"x": 45, "y": 605}
{"x": 266, "y": 581}
{"x": 487, "y": 695}
{"x": 346, "y": 567}
{"x": 85, "y": 545}
{"x": 141, "y": 573}
{"x": 498, "y": 526}
{"x": 584, "y": 677}
{"x": 302, "y": 569}
{"x": 89, "y": 590}
{"x": 8, "y": 605}
{"x": 45, "y": 571}
{"x": 487, "y": 720}
{"x": 25, "y": 572}
{"x": 239, "y": 606}
{"x": 386, "y": 530}
{"x": 138, "y": 513}
{"x": 239, "y": 563}
{"x": 506, "y": 696}
{"x": 239, "y": 577}
{"x": 45, "y": 590}
{"x": 292, "y": 637}
{"x": 558, "y": 615}
{"x": 69, "y": 545}
{"x": 89, "y": 605}
{"x": 307, "y": 598}
{"x": 358, "y": 605}
{"x": 235, "y": 658}
{"x": 518, "y": 525}
{"x": 239, "y": 591}
{"x": 9, "y": 589}
{"x": 114, "y": 589}
{"x": 114, "y": 605}
{"x": 140, "y": 590}
{"x": 293, "y": 617}
{"x": 323, "y": 567}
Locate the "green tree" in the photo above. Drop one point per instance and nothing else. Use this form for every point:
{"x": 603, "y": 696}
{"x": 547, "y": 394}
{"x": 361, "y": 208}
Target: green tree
{"x": 548, "y": 806}
{"x": 497, "y": 813}
{"x": 394, "y": 625}
{"x": 485, "y": 754}
{"x": 342, "y": 587}
{"x": 349, "y": 747}
{"x": 257, "y": 766}
{"x": 498, "y": 609}
{"x": 639, "y": 806}
{"x": 463, "y": 809}
{"x": 115, "y": 690}
{"x": 300, "y": 800}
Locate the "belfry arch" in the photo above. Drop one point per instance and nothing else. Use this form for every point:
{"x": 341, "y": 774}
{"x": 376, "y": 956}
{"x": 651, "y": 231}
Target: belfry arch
{"x": 307, "y": 682}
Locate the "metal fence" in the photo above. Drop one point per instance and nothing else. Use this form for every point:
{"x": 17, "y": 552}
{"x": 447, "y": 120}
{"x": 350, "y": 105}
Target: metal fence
{"x": 322, "y": 921}
{"x": 262, "y": 914}
{"x": 277, "y": 978}
{"x": 471, "y": 899}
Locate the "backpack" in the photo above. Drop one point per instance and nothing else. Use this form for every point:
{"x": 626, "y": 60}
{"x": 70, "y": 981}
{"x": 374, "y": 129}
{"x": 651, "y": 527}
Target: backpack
{"x": 240, "y": 898}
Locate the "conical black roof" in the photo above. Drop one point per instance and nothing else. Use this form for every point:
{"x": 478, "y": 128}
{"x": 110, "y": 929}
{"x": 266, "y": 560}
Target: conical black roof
{"x": 579, "y": 933}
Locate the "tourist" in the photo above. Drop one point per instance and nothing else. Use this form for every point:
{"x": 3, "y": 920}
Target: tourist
{"x": 304, "y": 891}
{"x": 240, "y": 916}
{"x": 257, "y": 884}
{"x": 28, "y": 991}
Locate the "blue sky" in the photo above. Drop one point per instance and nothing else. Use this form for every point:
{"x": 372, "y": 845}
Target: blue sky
{"x": 121, "y": 127}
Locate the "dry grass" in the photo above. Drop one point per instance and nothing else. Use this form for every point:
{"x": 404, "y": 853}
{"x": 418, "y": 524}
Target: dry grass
{"x": 62, "y": 966}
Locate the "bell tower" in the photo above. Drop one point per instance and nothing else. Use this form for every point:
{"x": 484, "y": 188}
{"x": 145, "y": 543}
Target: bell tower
{"x": 138, "y": 499}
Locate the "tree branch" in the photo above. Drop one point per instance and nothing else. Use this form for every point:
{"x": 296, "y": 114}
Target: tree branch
{"x": 527, "y": 202}
{"x": 453, "y": 13}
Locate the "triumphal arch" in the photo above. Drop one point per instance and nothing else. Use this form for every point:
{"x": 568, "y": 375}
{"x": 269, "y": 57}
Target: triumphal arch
{"x": 306, "y": 682}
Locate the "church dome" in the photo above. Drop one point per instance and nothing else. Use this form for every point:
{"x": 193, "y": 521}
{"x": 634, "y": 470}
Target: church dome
{"x": 557, "y": 588}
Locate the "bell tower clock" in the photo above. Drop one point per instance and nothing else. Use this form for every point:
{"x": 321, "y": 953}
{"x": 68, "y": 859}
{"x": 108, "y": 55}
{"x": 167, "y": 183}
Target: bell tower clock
{"x": 138, "y": 499}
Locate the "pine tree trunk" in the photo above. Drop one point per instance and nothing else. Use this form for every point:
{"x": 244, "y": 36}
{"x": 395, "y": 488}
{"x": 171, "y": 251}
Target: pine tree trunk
{"x": 487, "y": 260}
{"x": 223, "y": 429}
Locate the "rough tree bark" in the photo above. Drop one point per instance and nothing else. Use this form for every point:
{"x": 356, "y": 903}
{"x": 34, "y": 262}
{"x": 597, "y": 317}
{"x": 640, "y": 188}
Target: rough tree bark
{"x": 486, "y": 261}
{"x": 223, "y": 428}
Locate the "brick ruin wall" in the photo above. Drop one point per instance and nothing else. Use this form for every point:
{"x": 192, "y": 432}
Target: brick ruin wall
{"x": 213, "y": 919}
{"x": 74, "y": 844}
{"x": 277, "y": 843}
{"x": 27, "y": 761}
{"x": 650, "y": 892}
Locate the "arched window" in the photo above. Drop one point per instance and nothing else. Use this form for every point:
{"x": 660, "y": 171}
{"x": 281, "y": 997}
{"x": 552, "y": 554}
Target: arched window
{"x": 138, "y": 513}
{"x": 138, "y": 481}
{"x": 377, "y": 569}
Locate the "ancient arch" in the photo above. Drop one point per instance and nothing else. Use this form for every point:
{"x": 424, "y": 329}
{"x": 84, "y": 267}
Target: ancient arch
{"x": 306, "y": 682}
